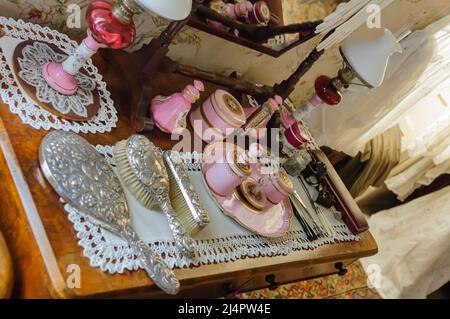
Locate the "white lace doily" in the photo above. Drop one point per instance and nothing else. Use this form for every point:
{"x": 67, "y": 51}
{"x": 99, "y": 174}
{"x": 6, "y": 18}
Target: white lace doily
{"x": 34, "y": 56}
{"x": 21, "y": 104}
{"x": 114, "y": 256}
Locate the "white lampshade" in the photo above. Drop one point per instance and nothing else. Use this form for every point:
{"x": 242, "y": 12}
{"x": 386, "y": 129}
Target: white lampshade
{"x": 168, "y": 9}
{"x": 368, "y": 56}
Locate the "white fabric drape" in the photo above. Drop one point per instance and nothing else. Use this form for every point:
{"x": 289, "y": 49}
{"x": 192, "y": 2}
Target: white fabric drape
{"x": 426, "y": 127}
{"x": 421, "y": 170}
{"x": 365, "y": 113}
{"x": 414, "y": 247}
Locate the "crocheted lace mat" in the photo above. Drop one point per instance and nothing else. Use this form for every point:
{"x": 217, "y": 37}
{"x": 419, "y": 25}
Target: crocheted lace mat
{"x": 222, "y": 240}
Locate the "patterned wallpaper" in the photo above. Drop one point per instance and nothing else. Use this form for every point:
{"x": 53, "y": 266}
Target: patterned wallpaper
{"x": 200, "y": 49}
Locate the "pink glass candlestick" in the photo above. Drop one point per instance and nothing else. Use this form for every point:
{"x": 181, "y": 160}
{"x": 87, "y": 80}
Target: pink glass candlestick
{"x": 108, "y": 26}
{"x": 170, "y": 112}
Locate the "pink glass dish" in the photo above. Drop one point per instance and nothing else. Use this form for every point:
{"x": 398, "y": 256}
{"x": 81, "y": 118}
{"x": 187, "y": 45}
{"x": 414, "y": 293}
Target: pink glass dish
{"x": 272, "y": 222}
{"x": 225, "y": 173}
{"x": 219, "y": 116}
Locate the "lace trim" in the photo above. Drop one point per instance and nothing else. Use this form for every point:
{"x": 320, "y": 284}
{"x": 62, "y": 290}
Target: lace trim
{"x": 31, "y": 113}
{"x": 117, "y": 258}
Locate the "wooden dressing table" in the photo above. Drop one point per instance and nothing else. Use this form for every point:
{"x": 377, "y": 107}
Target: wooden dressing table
{"x": 43, "y": 243}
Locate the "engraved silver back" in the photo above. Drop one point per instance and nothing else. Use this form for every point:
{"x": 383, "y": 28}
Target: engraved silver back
{"x": 147, "y": 164}
{"x": 83, "y": 178}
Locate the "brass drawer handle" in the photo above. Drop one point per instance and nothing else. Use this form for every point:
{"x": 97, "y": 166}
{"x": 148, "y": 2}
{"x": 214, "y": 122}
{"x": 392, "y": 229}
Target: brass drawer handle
{"x": 341, "y": 269}
{"x": 232, "y": 291}
{"x": 271, "y": 280}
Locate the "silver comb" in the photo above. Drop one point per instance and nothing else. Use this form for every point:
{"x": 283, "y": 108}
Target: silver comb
{"x": 183, "y": 196}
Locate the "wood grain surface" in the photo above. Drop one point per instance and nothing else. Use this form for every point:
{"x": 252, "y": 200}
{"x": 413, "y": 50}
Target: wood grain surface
{"x": 6, "y": 269}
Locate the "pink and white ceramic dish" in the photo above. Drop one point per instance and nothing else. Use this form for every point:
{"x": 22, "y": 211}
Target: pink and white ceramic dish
{"x": 273, "y": 221}
{"x": 251, "y": 192}
{"x": 227, "y": 171}
{"x": 219, "y": 116}
{"x": 278, "y": 186}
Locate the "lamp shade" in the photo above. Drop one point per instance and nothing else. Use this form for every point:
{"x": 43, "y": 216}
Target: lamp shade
{"x": 168, "y": 9}
{"x": 369, "y": 56}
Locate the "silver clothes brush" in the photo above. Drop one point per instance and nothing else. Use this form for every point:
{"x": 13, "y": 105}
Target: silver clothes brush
{"x": 84, "y": 180}
{"x": 141, "y": 166}
{"x": 185, "y": 200}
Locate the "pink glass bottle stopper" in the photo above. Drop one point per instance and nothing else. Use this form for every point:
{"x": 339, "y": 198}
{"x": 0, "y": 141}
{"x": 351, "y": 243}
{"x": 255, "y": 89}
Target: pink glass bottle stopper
{"x": 326, "y": 91}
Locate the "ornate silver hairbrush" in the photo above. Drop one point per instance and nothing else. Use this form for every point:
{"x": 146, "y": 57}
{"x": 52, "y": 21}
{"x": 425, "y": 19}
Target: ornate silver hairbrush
{"x": 141, "y": 166}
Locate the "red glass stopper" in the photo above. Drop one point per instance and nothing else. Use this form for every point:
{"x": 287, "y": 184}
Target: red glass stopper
{"x": 295, "y": 136}
{"x": 106, "y": 29}
{"x": 326, "y": 91}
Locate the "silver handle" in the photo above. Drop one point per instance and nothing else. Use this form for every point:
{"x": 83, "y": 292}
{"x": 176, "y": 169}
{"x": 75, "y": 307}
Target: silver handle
{"x": 154, "y": 265}
{"x": 183, "y": 240}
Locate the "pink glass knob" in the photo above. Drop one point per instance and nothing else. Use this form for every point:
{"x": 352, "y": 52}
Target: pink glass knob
{"x": 106, "y": 29}
{"x": 326, "y": 91}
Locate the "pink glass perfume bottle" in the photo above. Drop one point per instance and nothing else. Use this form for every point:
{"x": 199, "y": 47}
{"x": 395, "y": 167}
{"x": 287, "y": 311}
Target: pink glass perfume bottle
{"x": 108, "y": 26}
{"x": 257, "y": 121}
{"x": 170, "y": 112}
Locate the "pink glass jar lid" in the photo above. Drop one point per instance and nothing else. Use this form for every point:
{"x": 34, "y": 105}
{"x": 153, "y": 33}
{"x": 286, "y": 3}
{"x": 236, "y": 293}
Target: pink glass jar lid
{"x": 238, "y": 163}
{"x": 262, "y": 12}
{"x": 282, "y": 182}
{"x": 228, "y": 108}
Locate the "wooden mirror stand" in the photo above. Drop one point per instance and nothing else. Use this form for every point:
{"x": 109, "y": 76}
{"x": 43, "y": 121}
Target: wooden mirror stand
{"x": 153, "y": 58}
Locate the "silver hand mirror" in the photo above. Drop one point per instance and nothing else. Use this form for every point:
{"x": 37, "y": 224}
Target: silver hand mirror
{"x": 83, "y": 179}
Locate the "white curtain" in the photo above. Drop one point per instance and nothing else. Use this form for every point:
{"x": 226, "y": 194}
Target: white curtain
{"x": 425, "y": 159}
{"x": 364, "y": 113}
{"x": 414, "y": 247}
{"x": 426, "y": 126}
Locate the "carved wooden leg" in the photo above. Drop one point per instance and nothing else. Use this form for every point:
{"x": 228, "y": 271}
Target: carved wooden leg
{"x": 154, "y": 53}
{"x": 140, "y": 115}
{"x": 285, "y": 88}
